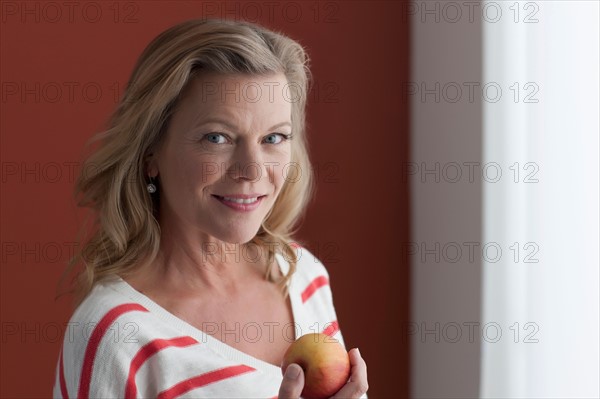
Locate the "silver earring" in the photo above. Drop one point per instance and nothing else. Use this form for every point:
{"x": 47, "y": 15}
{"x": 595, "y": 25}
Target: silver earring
{"x": 151, "y": 187}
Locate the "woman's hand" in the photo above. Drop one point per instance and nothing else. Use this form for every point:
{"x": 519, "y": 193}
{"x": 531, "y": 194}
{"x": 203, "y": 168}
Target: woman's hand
{"x": 293, "y": 382}
{"x": 357, "y": 385}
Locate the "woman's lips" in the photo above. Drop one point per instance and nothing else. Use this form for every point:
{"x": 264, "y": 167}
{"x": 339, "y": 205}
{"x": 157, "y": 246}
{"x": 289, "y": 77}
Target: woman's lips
{"x": 240, "y": 207}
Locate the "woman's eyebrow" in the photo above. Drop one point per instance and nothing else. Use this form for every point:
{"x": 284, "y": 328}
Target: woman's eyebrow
{"x": 219, "y": 121}
{"x": 280, "y": 125}
{"x": 224, "y": 122}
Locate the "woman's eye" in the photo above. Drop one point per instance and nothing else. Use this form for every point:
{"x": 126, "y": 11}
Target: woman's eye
{"x": 216, "y": 138}
{"x": 276, "y": 138}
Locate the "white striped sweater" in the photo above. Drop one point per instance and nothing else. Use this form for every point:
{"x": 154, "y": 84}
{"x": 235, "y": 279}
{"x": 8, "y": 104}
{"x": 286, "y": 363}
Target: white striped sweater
{"x": 121, "y": 344}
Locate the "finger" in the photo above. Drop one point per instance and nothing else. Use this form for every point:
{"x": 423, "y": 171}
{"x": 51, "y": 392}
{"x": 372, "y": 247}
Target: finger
{"x": 293, "y": 382}
{"x": 357, "y": 384}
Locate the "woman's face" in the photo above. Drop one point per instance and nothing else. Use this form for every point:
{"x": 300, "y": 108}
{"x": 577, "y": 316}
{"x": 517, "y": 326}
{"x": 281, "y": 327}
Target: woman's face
{"x": 226, "y": 138}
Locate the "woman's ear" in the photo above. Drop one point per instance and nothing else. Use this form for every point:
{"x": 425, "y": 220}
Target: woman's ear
{"x": 151, "y": 165}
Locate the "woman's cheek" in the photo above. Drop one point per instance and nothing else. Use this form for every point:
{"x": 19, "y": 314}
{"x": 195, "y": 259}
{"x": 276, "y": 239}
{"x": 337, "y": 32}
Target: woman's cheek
{"x": 284, "y": 167}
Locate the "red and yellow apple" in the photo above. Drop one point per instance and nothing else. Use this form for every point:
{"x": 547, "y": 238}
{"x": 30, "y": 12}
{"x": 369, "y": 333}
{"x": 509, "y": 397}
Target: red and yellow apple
{"x": 325, "y": 363}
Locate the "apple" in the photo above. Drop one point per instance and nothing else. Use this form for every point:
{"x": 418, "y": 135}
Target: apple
{"x": 325, "y": 363}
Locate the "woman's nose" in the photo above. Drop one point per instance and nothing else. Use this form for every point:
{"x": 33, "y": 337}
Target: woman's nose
{"x": 246, "y": 164}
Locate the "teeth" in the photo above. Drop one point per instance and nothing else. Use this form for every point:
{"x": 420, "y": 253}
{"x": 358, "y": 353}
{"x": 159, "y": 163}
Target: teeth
{"x": 241, "y": 201}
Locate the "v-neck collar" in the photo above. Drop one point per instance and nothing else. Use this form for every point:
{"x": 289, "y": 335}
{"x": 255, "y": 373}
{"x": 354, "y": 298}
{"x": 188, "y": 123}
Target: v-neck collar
{"x": 215, "y": 344}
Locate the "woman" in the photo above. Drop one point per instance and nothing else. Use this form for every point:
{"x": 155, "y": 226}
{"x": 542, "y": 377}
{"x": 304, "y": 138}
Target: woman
{"x": 192, "y": 285}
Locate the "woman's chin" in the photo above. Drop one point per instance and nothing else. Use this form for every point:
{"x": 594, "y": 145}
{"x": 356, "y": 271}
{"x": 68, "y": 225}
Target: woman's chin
{"x": 239, "y": 236}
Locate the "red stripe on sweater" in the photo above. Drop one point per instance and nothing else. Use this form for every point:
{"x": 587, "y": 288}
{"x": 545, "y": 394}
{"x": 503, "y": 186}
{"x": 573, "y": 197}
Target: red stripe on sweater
{"x": 63, "y": 384}
{"x": 146, "y": 352}
{"x": 332, "y": 328}
{"x": 204, "y": 379}
{"x": 94, "y": 343}
{"x": 295, "y": 245}
{"x": 314, "y": 285}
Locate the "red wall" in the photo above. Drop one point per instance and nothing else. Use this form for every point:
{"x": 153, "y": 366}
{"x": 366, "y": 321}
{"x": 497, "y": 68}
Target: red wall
{"x": 61, "y": 68}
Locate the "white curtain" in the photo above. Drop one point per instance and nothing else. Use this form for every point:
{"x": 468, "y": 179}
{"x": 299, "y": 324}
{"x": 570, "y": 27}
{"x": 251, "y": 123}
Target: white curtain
{"x": 541, "y": 293}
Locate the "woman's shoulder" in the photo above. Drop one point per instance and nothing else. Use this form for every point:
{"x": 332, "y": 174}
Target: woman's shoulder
{"x": 310, "y": 274}
{"x": 104, "y": 297}
{"x": 309, "y": 263}
{"x": 105, "y": 310}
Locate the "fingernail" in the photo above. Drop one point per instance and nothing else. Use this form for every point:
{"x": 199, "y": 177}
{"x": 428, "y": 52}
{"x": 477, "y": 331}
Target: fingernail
{"x": 292, "y": 372}
{"x": 358, "y": 351}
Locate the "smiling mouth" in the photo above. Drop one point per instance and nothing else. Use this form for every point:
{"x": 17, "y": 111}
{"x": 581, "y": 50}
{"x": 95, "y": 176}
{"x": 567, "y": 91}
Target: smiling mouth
{"x": 250, "y": 200}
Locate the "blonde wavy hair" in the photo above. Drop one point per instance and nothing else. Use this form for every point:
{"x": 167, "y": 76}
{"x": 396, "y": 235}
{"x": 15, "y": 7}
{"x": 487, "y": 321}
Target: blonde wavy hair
{"x": 125, "y": 231}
